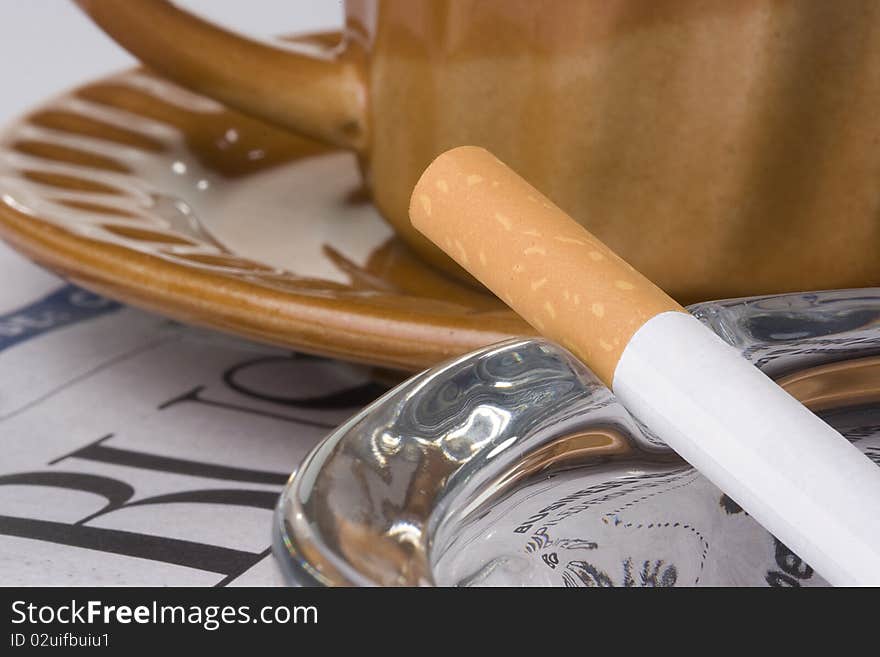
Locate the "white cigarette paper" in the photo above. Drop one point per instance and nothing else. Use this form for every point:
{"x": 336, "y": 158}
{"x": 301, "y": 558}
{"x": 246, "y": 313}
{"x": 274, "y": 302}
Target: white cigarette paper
{"x": 791, "y": 471}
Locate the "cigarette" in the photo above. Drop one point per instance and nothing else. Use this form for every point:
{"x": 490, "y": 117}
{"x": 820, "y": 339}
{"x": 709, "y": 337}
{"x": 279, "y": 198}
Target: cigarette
{"x": 791, "y": 471}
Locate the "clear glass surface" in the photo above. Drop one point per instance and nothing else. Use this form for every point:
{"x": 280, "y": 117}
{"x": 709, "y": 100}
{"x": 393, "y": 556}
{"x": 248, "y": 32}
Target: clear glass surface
{"x": 514, "y": 465}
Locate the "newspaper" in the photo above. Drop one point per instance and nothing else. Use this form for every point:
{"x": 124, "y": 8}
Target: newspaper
{"x": 139, "y": 451}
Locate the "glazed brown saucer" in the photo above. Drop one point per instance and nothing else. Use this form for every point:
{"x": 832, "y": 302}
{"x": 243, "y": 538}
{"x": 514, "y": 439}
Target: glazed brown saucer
{"x": 137, "y": 189}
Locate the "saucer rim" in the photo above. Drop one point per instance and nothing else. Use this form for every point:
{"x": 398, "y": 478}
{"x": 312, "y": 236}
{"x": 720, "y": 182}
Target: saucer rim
{"x": 348, "y": 329}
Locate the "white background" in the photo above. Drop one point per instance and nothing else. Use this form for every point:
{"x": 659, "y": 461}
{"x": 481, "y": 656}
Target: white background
{"x": 48, "y": 46}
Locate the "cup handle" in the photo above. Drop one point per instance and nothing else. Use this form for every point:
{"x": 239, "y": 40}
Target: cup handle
{"x": 319, "y": 95}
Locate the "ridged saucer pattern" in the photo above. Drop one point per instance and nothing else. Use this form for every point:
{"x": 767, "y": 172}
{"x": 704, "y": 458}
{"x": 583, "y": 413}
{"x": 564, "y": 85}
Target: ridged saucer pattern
{"x": 147, "y": 193}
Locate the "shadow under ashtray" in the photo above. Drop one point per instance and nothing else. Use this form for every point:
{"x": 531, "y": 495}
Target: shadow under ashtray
{"x": 514, "y": 465}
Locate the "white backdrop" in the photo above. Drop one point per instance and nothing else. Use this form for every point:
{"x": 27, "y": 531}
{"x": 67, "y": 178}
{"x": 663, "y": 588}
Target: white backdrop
{"x": 47, "y": 46}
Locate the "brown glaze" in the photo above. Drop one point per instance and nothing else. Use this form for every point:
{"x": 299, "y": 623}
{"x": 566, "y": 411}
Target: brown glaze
{"x": 393, "y": 311}
{"x": 569, "y": 452}
{"x": 836, "y": 385}
{"x": 723, "y": 148}
{"x": 78, "y": 179}
{"x": 318, "y": 91}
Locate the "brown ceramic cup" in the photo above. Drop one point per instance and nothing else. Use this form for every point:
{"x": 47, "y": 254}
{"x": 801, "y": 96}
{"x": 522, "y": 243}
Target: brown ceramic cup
{"x": 724, "y": 148}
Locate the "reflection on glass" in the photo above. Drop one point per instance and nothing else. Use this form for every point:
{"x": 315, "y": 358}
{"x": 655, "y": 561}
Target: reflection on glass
{"x": 516, "y": 466}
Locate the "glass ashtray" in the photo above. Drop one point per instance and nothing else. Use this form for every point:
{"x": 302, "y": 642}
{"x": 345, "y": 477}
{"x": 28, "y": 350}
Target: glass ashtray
{"x": 514, "y": 465}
